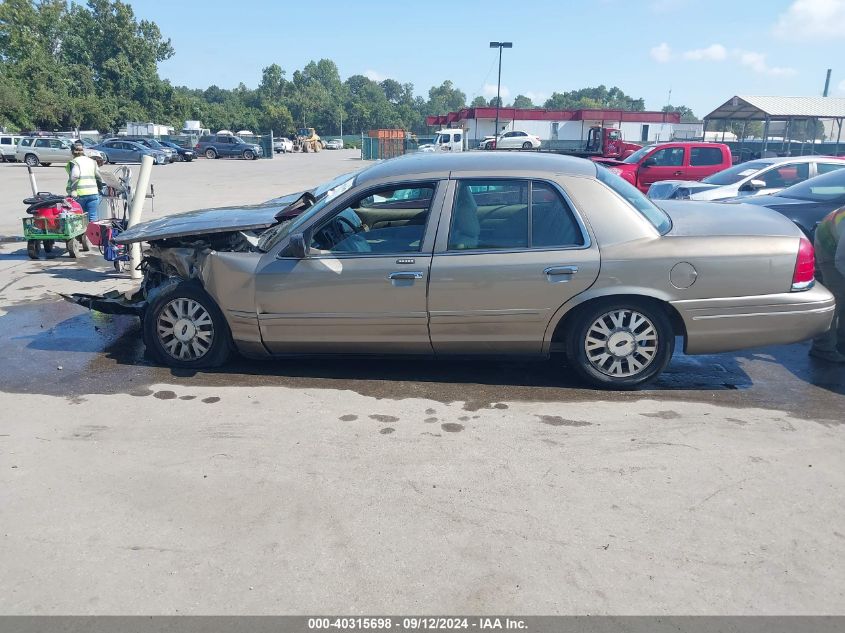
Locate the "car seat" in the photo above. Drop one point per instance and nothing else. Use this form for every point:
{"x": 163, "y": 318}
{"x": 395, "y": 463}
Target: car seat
{"x": 465, "y": 226}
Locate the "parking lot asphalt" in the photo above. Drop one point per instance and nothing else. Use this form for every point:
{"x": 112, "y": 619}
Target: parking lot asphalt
{"x": 393, "y": 486}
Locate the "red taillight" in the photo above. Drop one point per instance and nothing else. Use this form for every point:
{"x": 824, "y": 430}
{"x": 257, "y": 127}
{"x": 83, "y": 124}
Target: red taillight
{"x": 805, "y": 266}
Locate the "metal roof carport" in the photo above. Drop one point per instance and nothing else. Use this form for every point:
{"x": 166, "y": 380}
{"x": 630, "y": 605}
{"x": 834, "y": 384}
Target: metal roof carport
{"x": 767, "y": 109}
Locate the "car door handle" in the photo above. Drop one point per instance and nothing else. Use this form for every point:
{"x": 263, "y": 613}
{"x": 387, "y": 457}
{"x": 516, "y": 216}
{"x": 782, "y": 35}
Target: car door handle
{"x": 678, "y": 173}
{"x": 560, "y": 270}
{"x": 405, "y": 275}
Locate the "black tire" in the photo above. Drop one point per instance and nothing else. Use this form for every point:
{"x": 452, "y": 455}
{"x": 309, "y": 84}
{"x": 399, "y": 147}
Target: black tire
{"x": 31, "y": 160}
{"x": 210, "y": 153}
{"x": 527, "y": 145}
{"x": 248, "y": 154}
{"x": 72, "y": 246}
{"x": 600, "y": 369}
{"x": 162, "y": 330}
{"x": 33, "y": 249}
{"x": 48, "y": 246}
{"x": 46, "y": 164}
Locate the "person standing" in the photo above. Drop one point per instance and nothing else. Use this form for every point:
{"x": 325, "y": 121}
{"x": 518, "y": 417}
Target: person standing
{"x": 830, "y": 259}
{"x": 83, "y": 181}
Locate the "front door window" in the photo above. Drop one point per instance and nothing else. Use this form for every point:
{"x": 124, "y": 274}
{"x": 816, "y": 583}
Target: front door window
{"x": 389, "y": 220}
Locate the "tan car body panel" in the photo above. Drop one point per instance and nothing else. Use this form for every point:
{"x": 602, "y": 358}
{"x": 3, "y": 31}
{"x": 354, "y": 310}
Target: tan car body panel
{"x": 501, "y": 302}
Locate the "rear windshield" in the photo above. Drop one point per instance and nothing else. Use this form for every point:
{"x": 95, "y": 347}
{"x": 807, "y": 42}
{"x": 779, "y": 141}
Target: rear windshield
{"x": 736, "y": 173}
{"x": 829, "y": 187}
{"x": 656, "y": 216}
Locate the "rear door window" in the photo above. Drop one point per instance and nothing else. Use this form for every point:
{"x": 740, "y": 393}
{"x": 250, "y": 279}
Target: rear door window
{"x": 701, "y": 156}
{"x": 511, "y": 214}
{"x": 825, "y": 168}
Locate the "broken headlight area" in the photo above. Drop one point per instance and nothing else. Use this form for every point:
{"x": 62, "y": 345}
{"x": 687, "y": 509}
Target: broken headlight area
{"x": 164, "y": 263}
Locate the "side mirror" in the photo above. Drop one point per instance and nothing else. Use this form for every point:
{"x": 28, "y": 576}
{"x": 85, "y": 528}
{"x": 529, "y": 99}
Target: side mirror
{"x": 754, "y": 185}
{"x": 297, "y": 247}
{"x": 649, "y": 162}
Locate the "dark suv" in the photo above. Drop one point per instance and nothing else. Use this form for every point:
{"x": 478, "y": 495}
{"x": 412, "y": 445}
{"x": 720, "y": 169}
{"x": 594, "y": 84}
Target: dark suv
{"x": 217, "y": 145}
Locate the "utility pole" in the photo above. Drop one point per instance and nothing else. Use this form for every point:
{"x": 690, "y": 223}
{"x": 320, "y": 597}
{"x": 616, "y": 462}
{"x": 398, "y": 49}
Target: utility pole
{"x": 827, "y": 83}
{"x": 500, "y": 46}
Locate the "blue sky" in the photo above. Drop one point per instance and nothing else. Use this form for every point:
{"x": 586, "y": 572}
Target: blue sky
{"x": 705, "y": 52}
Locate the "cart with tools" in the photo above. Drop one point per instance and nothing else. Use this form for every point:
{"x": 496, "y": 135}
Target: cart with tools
{"x": 54, "y": 219}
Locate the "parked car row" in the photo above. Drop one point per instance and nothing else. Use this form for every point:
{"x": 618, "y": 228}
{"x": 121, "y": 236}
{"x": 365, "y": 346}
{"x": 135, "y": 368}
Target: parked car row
{"x": 519, "y": 253}
{"x": 45, "y": 150}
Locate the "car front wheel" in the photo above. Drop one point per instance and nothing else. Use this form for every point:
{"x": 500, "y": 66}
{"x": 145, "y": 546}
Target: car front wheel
{"x": 621, "y": 345}
{"x": 249, "y": 154}
{"x": 183, "y": 327}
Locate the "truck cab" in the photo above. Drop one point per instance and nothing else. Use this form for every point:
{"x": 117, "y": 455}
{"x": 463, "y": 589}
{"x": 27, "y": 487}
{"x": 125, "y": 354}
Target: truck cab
{"x": 670, "y": 161}
{"x": 607, "y": 142}
{"x": 446, "y": 140}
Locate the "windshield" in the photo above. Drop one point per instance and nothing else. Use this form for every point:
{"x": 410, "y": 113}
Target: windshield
{"x": 324, "y": 194}
{"x": 736, "y": 173}
{"x": 829, "y": 187}
{"x": 636, "y": 156}
{"x": 656, "y": 216}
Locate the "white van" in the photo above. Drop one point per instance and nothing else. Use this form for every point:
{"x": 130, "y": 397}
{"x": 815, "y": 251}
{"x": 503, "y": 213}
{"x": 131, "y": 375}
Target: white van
{"x": 7, "y": 146}
{"x": 448, "y": 140}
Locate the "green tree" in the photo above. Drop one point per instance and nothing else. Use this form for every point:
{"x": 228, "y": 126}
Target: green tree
{"x": 479, "y": 102}
{"x": 687, "y": 115}
{"x": 522, "y": 101}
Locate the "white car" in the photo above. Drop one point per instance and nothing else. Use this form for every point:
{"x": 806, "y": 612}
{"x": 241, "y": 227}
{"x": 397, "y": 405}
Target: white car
{"x": 282, "y": 145}
{"x": 756, "y": 177}
{"x": 8, "y": 142}
{"x": 335, "y": 143}
{"x": 514, "y": 139}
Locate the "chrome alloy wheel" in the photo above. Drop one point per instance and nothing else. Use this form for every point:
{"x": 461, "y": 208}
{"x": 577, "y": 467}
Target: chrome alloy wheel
{"x": 185, "y": 329}
{"x": 621, "y": 343}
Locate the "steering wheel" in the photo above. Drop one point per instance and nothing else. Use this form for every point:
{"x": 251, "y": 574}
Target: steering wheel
{"x": 345, "y": 231}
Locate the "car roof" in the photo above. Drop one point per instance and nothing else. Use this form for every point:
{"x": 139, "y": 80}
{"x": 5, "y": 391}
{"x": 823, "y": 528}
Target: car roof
{"x": 492, "y": 163}
{"x": 776, "y": 160}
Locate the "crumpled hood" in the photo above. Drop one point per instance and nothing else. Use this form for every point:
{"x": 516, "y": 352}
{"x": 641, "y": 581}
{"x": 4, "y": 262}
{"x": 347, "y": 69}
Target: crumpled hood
{"x": 666, "y": 189}
{"x": 693, "y": 218}
{"x": 208, "y": 221}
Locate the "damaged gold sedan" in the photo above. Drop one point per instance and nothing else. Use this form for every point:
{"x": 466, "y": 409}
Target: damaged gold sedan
{"x": 474, "y": 254}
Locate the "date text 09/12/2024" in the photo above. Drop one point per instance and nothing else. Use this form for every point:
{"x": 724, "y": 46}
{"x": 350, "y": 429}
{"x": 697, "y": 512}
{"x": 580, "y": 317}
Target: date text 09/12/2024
{"x": 429, "y": 623}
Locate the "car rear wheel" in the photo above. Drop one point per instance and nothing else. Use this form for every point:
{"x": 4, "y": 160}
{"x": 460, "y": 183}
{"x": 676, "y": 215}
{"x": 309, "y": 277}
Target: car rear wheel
{"x": 32, "y": 160}
{"x": 210, "y": 153}
{"x": 249, "y": 154}
{"x": 184, "y": 328}
{"x": 620, "y": 344}
{"x": 527, "y": 145}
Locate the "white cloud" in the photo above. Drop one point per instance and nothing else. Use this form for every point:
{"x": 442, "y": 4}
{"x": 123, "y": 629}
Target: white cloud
{"x": 714, "y": 53}
{"x": 757, "y": 62}
{"x": 539, "y": 98}
{"x": 374, "y": 75}
{"x": 661, "y": 53}
{"x": 490, "y": 91}
{"x": 812, "y": 20}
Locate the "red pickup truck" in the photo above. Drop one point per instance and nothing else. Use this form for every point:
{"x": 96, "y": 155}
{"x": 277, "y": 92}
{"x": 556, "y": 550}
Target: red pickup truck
{"x": 670, "y": 161}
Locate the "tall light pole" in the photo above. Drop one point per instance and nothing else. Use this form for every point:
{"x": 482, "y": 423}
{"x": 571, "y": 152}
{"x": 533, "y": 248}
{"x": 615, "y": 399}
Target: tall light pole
{"x": 500, "y": 46}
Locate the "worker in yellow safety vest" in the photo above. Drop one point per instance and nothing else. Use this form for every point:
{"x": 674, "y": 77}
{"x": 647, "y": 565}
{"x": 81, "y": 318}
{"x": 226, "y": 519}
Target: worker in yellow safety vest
{"x": 83, "y": 181}
{"x": 830, "y": 260}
